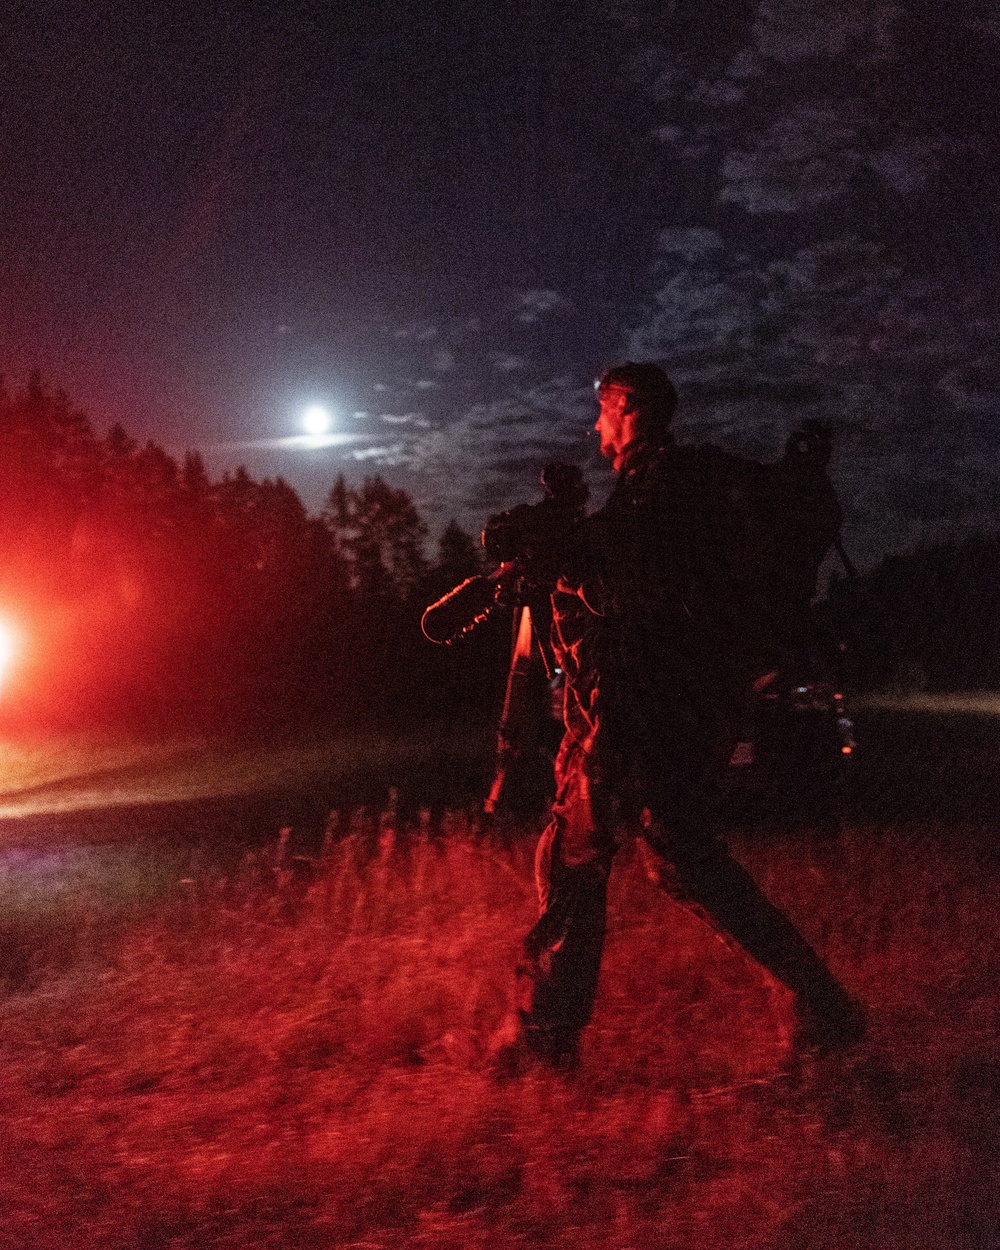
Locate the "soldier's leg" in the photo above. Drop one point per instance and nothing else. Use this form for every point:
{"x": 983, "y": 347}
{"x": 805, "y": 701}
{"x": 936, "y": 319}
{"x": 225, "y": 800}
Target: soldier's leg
{"x": 561, "y": 955}
{"x": 687, "y": 855}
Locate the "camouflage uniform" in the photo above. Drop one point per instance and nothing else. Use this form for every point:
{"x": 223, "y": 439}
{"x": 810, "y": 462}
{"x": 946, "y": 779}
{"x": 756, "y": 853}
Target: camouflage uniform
{"x": 660, "y": 624}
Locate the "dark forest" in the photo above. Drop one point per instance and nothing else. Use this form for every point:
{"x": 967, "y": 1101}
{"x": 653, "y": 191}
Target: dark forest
{"x": 144, "y": 595}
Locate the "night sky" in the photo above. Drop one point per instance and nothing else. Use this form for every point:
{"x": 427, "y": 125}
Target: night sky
{"x": 441, "y": 220}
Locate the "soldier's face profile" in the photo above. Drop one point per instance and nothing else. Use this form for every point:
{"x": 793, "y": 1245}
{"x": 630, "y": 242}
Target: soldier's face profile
{"x": 616, "y": 423}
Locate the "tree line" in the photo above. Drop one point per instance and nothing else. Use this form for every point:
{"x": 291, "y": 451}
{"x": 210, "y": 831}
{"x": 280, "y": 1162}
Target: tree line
{"x": 923, "y": 619}
{"x": 144, "y": 593}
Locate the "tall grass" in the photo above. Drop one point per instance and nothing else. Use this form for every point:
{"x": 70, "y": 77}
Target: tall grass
{"x": 295, "y": 1055}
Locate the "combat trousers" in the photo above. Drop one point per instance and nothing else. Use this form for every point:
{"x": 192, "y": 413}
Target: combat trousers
{"x": 678, "y": 795}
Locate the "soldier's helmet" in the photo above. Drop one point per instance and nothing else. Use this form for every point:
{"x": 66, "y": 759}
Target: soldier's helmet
{"x": 652, "y": 389}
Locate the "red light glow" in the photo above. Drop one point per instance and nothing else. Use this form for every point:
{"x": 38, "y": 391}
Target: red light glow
{"x": 8, "y": 648}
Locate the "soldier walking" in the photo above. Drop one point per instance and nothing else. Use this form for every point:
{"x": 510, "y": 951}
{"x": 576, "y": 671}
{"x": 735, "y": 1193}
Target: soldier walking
{"x": 668, "y": 606}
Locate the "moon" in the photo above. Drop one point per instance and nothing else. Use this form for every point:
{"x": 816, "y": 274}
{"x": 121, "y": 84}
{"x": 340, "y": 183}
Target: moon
{"x": 316, "y": 419}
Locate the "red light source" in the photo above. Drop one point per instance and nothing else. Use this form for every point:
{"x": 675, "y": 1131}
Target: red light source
{"x": 8, "y": 647}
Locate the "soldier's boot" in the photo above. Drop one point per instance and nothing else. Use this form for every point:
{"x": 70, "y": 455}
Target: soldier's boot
{"x": 829, "y": 1027}
{"x": 557, "y": 1048}
{"x": 519, "y": 1046}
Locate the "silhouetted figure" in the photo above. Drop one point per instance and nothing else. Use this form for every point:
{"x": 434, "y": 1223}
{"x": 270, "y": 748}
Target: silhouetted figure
{"x": 526, "y": 544}
{"x": 671, "y": 600}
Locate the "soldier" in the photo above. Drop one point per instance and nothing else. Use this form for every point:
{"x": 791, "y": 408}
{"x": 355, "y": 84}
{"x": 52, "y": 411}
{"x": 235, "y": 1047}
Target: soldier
{"x": 666, "y": 609}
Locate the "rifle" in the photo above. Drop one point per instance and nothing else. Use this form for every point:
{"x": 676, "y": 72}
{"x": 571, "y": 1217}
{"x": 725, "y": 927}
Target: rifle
{"x": 528, "y": 541}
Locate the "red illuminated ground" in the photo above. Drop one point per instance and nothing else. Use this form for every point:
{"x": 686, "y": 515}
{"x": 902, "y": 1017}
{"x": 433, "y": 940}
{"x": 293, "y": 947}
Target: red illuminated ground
{"x": 293, "y": 1055}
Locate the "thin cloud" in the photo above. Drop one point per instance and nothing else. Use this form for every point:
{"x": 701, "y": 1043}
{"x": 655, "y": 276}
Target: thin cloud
{"x": 292, "y": 442}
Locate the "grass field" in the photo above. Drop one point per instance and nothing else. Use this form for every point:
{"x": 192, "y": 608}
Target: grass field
{"x": 293, "y": 1055}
